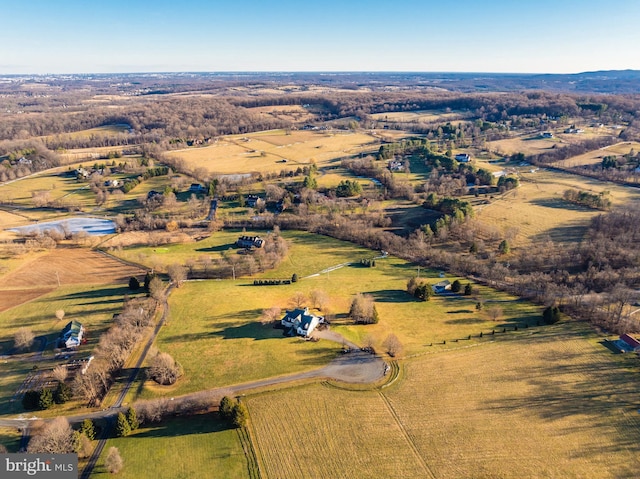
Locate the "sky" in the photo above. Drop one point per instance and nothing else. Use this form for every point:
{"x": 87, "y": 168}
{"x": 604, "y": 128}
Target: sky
{"x": 510, "y": 36}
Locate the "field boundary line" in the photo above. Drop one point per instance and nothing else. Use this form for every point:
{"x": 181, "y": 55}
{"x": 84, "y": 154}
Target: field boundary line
{"x": 407, "y": 436}
{"x": 253, "y": 467}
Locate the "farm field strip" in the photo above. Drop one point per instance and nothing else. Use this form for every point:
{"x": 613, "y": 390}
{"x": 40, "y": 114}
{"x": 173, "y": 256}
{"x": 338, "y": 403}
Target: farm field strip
{"x": 335, "y": 424}
{"x": 200, "y": 446}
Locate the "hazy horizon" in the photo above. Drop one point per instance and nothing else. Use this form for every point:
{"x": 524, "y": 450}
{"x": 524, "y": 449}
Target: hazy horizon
{"x": 72, "y": 37}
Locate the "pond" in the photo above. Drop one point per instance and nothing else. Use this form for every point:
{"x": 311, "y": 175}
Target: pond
{"x": 91, "y": 226}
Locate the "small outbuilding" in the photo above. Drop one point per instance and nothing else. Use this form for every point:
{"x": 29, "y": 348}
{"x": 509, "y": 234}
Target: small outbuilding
{"x": 442, "y": 287}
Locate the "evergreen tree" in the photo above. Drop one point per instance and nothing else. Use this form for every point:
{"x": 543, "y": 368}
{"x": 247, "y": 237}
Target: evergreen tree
{"x": 504, "y": 247}
{"x": 132, "y": 419}
{"x": 122, "y": 426}
{"x": 88, "y": 429}
{"x": 240, "y": 415}
{"x": 134, "y": 284}
{"x": 226, "y": 407}
{"x": 456, "y": 286}
{"x": 468, "y": 289}
{"x": 45, "y": 400}
{"x": 62, "y": 393}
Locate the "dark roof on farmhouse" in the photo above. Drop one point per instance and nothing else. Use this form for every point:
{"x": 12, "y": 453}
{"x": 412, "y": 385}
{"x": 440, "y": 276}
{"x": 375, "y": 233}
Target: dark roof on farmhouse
{"x": 630, "y": 340}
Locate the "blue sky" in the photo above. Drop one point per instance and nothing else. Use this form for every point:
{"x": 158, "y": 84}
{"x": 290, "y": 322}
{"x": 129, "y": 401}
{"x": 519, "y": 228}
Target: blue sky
{"x": 555, "y": 36}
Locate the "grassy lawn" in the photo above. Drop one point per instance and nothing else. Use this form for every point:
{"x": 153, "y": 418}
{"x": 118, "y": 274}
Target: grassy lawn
{"x": 550, "y": 403}
{"x": 215, "y": 333}
{"x": 316, "y": 431}
{"x": 92, "y": 305}
{"x": 10, "y": 438}
{"x": 183, "y": 448}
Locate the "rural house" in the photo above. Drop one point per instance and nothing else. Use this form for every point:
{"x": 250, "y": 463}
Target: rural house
{"x": 198, "y": 189}
{"x": 463, "y": 157}
{"x": 442, "y": 286}
{"x": 250, "y": 242}
{"x": 628, "y": 343}
{"x": 301, "y": 322}
{"x": 71, "y": 335}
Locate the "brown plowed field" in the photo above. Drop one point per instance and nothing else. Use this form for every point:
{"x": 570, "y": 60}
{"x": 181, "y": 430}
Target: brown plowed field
{"x": 71, "y": 266}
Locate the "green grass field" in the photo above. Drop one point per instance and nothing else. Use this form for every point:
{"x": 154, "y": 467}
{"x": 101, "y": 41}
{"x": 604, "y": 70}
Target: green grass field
{"x": 214, "y": 331}
{"x": 92, "y": 305}
{"x": 199, "y": 446}
{"x": 317, "y": 431}
{"x": 211, "y": 321}
{"x": 550, "y": 403}
{"x": 10, "y": 438}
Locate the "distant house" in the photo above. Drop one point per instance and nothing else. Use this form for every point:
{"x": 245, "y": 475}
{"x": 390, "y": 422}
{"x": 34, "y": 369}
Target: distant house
{"x": 198, "y": 189}
{"x": 463, "y": 157}
{"x": 251, "y": 201}
{"x": 71, "y": 335}
{"x": 395, "y": 165}
{"x": 301, "y": 322}
{"x": 112, "y": 183}
{"x": 441, "y": 287}
{"x": 547, "y": 134}
{"x": 250, "y": 242}
{"x": 153, "y": 194}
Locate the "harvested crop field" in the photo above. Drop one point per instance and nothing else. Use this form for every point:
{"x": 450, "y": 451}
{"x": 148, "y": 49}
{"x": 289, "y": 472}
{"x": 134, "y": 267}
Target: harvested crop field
{"x": 68, "y": 266}
{"x": 11, "y": 299}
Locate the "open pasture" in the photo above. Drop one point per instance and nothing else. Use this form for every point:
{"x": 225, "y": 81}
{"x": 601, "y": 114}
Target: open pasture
{"x": 595, "y": 157}
{"x": 317, "y": 431}
{"x": 554, "y": 403}
{"x": 265, "y": 151}
{"x": 295, "y": 113}
{"x": 214, "y": 332}
{"x": 92, "y": 305}
{"x": 419, "y": 116}
{"x": 199, "y": 446}
{"x": 538, "y": 211}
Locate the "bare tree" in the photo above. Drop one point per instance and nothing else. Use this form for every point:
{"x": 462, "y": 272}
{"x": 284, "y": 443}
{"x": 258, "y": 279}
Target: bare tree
{"x": 177, "y": 273}
{"x": 368, "y": 341}
{"x": 271, "y": 315}
{"x": 164, "y": 369}
{"x": 56, "y": 438}
{"x": 156, "y": 288}
{"x": 392, "y": 345}
{"x": 60, "y": 314}
{"x": 298, "y": 300}
{"x": 494, "y": 312}
{"x": 319, "y": 299}
{"x": 60, "y": 373}
{"x": 363, "y": 309}
{"x": 23, "y": 339}
{"x": 113, "y": 462}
